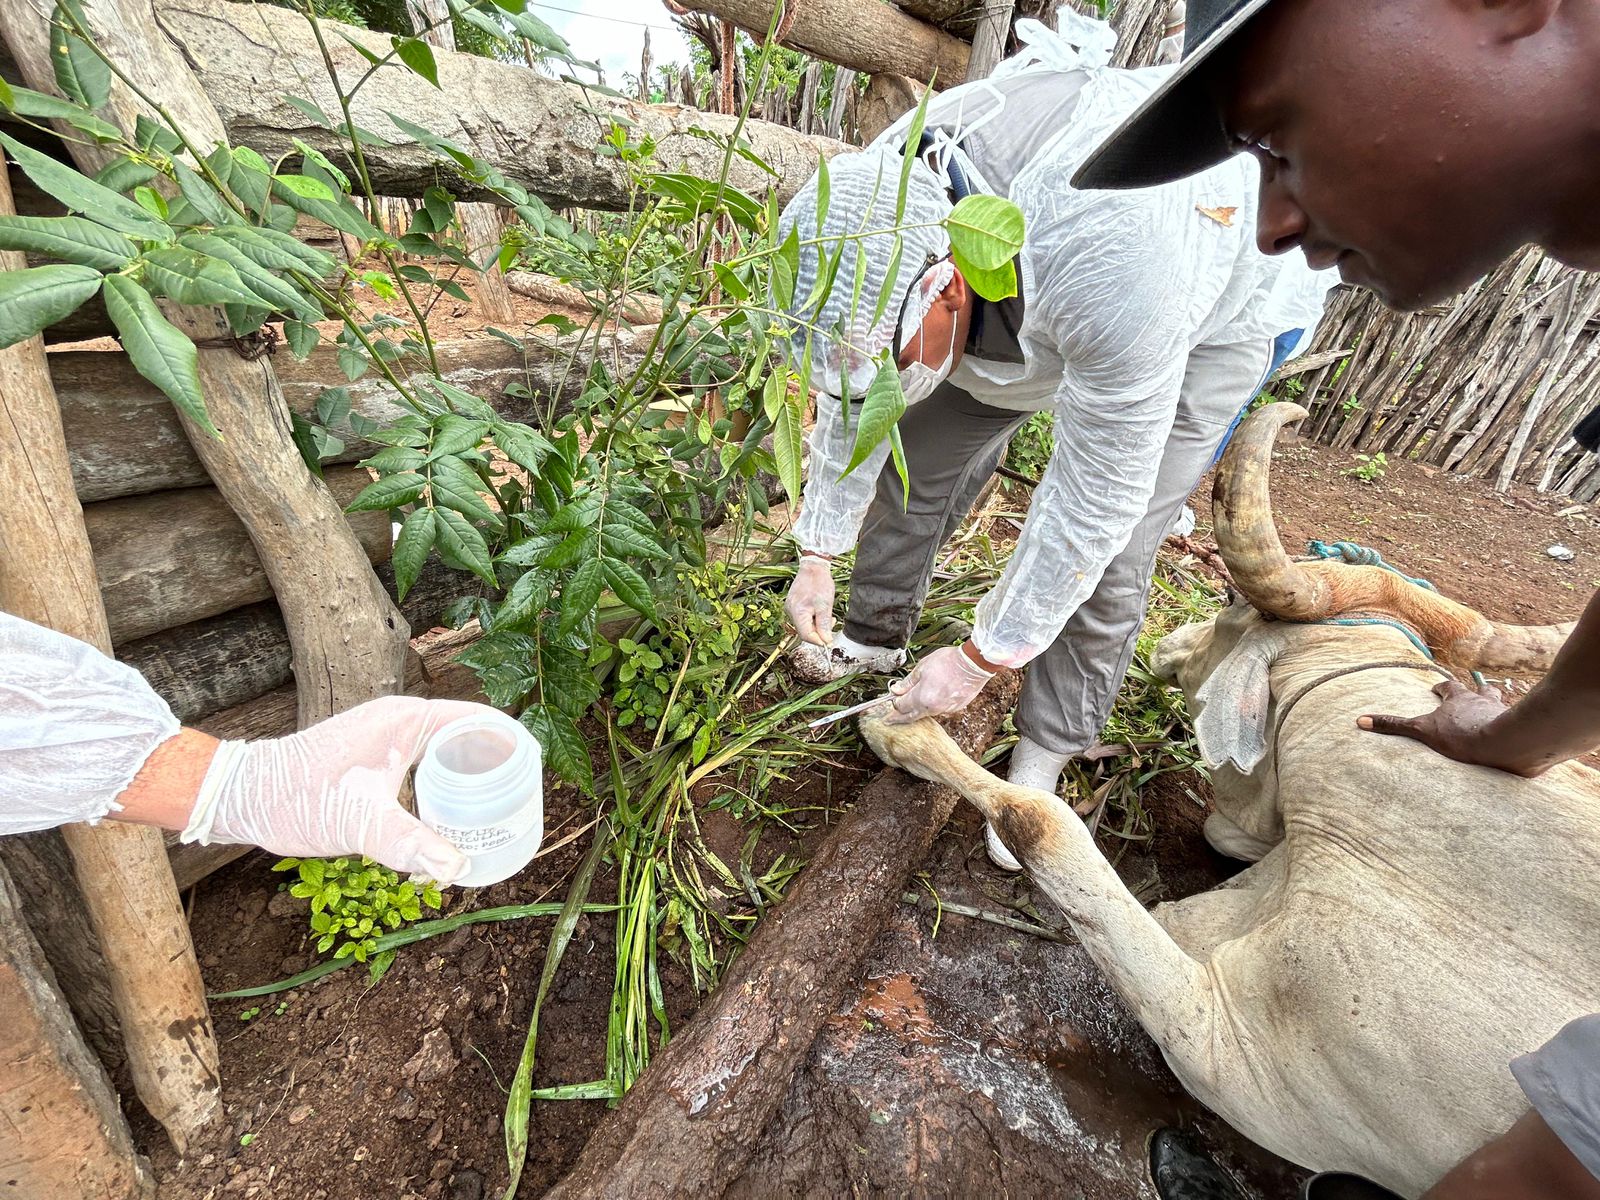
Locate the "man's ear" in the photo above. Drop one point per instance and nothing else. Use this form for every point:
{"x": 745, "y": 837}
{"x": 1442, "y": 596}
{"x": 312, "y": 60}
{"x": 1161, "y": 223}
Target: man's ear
{"x": 1513, "y": 20}
{"x": 956, "y": 293}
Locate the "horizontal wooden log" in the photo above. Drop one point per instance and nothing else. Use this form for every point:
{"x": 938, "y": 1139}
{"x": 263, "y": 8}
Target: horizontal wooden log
{"x": 202, "y": 667}
{"x": 538, "y": 131}
{"x": 876, "y": 38}
{"x": 173, "y": 557}
{"x": 639, "y": 307}
{"x": 124, "y": 438}
{"x": 691, "y": 1121}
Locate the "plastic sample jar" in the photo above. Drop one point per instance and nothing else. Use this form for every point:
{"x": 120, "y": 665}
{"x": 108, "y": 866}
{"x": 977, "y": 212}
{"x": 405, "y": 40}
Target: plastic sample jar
{"x": 480, "y": 784}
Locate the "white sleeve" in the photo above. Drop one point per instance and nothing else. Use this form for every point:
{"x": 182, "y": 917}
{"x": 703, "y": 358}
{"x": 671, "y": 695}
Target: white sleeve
{"x": 75, "y": 727}
{"x": 1104, "y": 292}
{"x": 834, "y": 504}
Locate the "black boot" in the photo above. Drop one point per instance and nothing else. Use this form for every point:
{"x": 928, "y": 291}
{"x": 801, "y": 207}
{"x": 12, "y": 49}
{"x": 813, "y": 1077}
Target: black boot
{"x": 1181, "y": 1172}
{"x": 1336, "y": 1185}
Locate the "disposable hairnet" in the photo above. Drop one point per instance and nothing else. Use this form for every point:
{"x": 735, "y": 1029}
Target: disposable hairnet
{"x": 75, "y": 727}
{"x": 855, "y": 322}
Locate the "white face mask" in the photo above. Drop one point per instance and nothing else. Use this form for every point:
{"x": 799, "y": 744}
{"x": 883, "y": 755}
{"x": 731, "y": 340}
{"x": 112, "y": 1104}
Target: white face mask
{"x": 919, "y": 380}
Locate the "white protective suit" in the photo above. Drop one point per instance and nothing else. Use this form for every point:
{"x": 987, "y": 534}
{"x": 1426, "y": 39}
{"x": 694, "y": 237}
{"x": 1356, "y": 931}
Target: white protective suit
{"x": 1120, "y": 288}
{"x": 75, "y": 727}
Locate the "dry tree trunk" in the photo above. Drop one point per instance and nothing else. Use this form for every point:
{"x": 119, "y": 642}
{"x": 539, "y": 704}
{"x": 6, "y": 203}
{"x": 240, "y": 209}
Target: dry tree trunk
{"x": 537, "y": 131}
{"x": 692, "y": 1120}
{"x": 47, "y": 575}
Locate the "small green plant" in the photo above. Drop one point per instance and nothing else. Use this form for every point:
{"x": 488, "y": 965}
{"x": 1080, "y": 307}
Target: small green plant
{"x": 1031, "y": 447}
{"x": 1369, "y": 467}
{"x": 353, "y": 902}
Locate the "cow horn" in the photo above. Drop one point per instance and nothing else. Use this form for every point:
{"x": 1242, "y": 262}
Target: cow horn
{"x": 1511, "y": 649}
{"x": 1241, "y": 514}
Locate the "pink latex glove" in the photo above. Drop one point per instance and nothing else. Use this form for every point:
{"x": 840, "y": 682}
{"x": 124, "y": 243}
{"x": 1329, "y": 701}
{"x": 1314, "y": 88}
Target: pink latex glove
{"x": 944, "y": 682}
{"x": 809, "y": 605}
{"x": 331, "y": 790}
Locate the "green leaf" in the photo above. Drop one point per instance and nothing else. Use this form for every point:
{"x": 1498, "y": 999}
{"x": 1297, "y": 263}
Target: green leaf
{"x": 882, "y": 408}
{"x": 580, "y": 595}
{"x": 526, "y": 599}
{"x": 302, "y": 338}
{"x": 71, "y": 239}
{"x": 417, "y": 55}
{"x": 304, "y": 186}
{"x": 390, "y": 492}
{"x": 311, "y": 110}
{"x": 566, "y": 750}
{"x": 411, "y": 548}
{"x": 630, "y": 587}
{"x": 201, "y": 195}
{"x": 785, "y": 267}
{"x": 29, "y": 103}
{"x": 626, "y": 542}
{"x": 523, "y": 446}
{"x": 84, "y": 195}
{"x": 36, "y": 297}
{"x": 8, "y": 98}
{"x": 788, "y": 439}
{"x": 395, "y": 458}
{"x": 124, "y": 174}
{"x": 455, "y": 486}
{"x": 190, "y": 277}
{"x": 259, "y": 281}
{"x": 998, "y": 284}
{"x": 340, "y": 213}
{"x": 80, "y": 72}
{"x": 277, "y": 251}
{"x": 453, "y": 434}
{"x": 159, "y": 352}
{"x": 152, "y": 201}
{"x": 985, "y": 231}
{"x": 462, "y": 546}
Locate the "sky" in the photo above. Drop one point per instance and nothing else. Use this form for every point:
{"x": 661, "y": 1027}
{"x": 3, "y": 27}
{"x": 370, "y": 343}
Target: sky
{"x": 611, "y": 32}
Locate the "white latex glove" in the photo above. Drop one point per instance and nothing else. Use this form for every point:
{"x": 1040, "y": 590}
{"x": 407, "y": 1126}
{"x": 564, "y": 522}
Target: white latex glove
{"x": 944, "y": 682}
{"x": 331, "y": 789}
{"x": 809, "y": 605}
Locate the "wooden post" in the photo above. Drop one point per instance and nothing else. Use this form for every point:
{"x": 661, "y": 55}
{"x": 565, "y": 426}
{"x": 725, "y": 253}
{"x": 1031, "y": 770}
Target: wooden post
{"x": 989, "y": 39}
{"x": 47, "y": 576}
{"x": 64, "y": 1137}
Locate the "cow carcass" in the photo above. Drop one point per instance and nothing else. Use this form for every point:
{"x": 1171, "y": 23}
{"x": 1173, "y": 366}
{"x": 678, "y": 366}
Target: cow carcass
{"x": 1351, "y": 1001}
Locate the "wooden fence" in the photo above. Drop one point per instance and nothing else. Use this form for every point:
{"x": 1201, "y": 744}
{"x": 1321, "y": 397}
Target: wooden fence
{"x": 1489, "y": 385}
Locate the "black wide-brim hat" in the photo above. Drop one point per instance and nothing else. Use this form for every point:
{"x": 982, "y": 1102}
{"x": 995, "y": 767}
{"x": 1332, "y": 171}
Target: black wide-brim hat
{"x": 1177, "y": 131}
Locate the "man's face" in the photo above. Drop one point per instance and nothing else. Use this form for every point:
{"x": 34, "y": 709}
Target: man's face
{"x": 1385, "y": 143}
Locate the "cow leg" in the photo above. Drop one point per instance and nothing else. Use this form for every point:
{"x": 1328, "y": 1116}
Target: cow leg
{"x": 1228, "y": 839}
{"x": 1169, "y": 991}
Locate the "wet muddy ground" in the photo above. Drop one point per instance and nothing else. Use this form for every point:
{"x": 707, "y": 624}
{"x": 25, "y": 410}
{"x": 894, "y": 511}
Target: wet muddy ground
{"x": 969, "y": 1058}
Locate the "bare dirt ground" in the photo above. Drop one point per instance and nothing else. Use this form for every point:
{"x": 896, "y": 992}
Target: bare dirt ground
{"x": 970, "y": 1059}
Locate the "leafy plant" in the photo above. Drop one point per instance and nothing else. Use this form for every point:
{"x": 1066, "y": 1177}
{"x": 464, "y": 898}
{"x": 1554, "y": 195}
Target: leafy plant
{"x": 1031, "y": 446}
{"x": 1369, "y": 468}
{"x": 354, "y": 901}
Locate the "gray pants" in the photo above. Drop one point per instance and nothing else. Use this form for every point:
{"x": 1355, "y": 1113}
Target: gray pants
{"x": 953, "y": 443}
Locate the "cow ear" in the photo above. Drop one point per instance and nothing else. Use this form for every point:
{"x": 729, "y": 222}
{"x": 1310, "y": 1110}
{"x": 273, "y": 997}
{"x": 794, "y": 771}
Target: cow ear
{"x": 1234, "y": 706}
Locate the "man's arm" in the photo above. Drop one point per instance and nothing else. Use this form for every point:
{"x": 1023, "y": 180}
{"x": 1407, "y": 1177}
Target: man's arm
{"x": 1559, "y": 719}
{"x": 164, "y": 791}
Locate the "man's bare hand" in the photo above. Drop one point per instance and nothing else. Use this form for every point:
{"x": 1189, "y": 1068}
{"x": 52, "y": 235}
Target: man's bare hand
{"x": 1459, "y": 728}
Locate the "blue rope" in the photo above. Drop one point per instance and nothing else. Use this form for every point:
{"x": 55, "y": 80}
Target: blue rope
{"x": 1410, "y": 636}
{"x": 1361, "y": 556}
